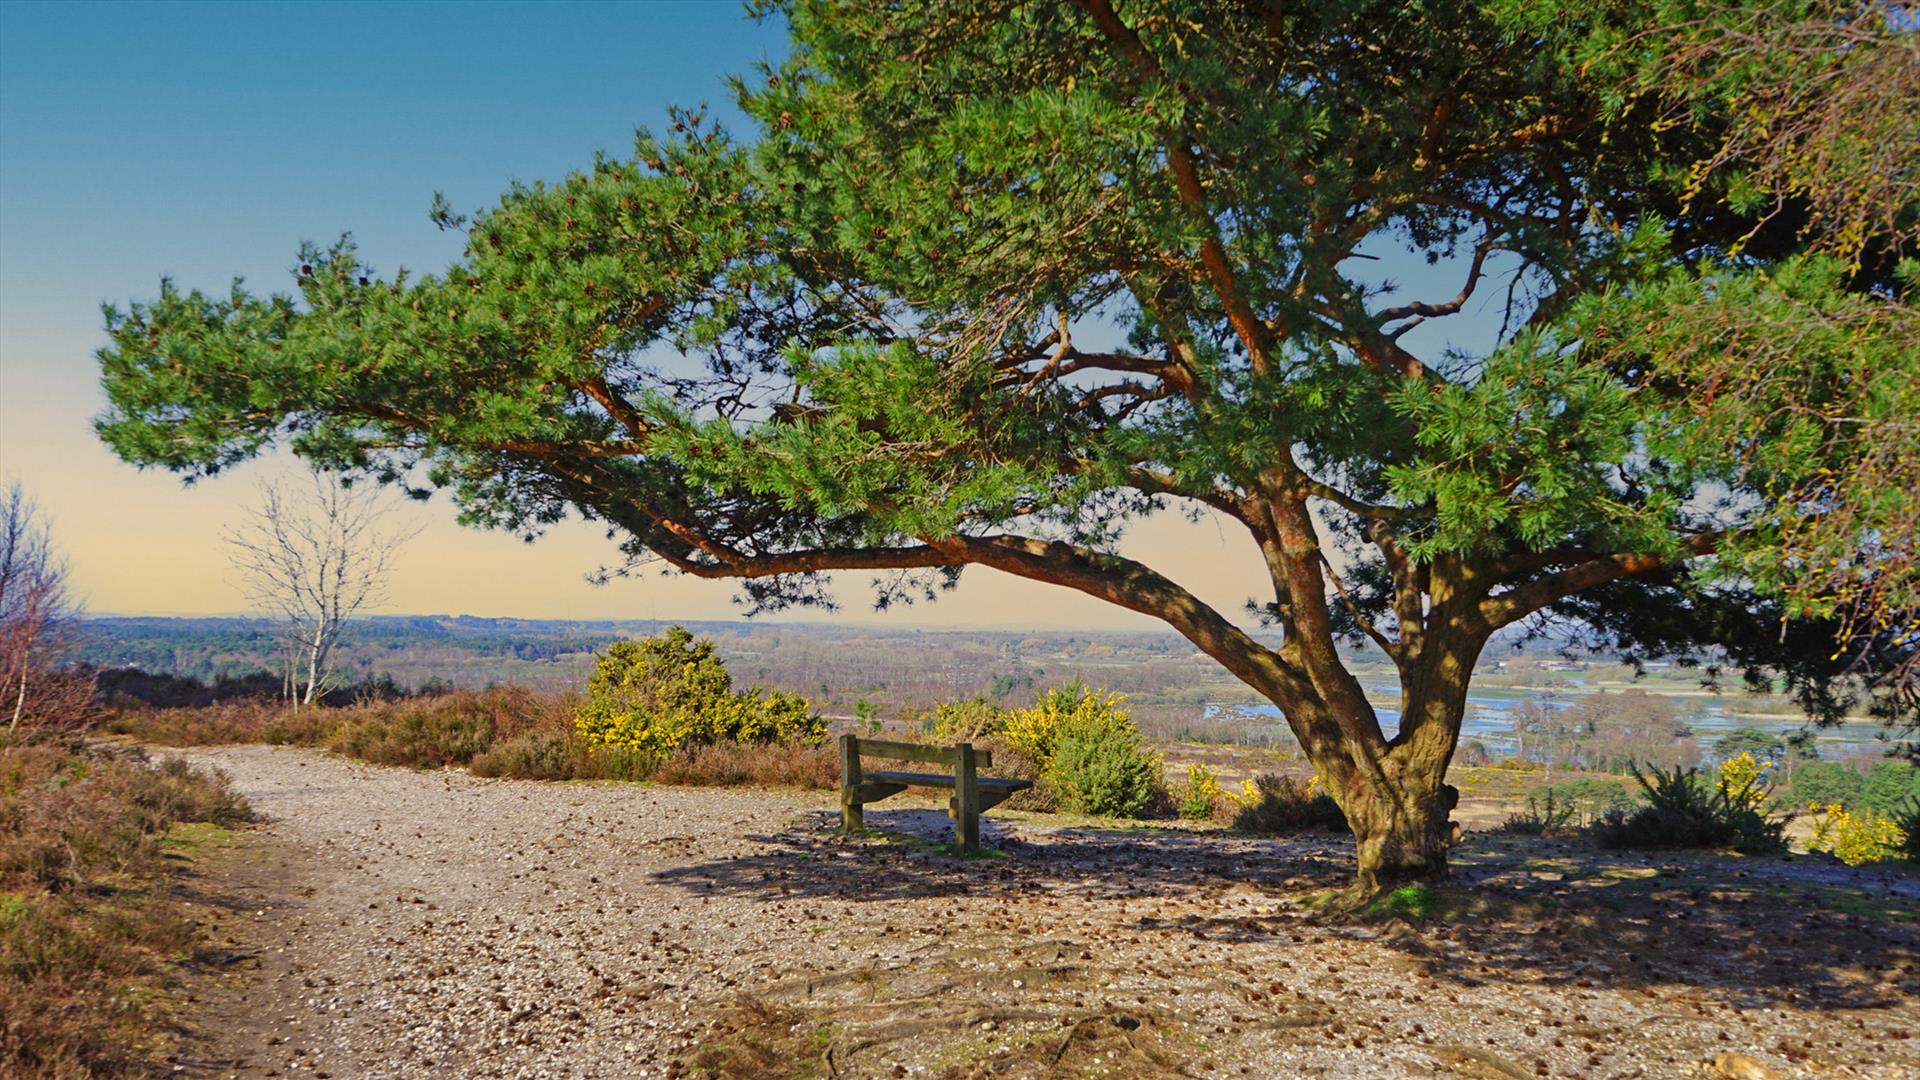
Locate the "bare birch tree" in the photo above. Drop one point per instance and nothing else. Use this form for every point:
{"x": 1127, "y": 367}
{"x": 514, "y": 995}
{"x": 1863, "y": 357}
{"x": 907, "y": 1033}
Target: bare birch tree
{"x": 36, "y": 617}
{"x": 315, "y": 559}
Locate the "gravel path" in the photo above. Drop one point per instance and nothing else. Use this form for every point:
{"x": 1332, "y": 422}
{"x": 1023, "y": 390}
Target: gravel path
{"x": 390, "y": 923}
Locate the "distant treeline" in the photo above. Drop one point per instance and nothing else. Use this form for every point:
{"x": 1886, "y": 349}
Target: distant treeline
{"x": 210, "y": 649}
{"x": 841, "y": 668}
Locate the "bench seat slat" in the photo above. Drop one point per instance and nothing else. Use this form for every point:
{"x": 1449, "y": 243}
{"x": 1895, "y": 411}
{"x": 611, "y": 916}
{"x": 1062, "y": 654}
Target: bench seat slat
{"x": 906, "y": 751}
{"x": 914, "y": 779}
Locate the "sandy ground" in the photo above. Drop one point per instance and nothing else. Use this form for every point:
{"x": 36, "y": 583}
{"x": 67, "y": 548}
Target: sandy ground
{"x": 388, "y": 923}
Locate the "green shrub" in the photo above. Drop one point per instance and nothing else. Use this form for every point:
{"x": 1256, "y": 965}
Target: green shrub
{"x": 969, "y": 720}
{"x": 1684, "y": 810}
{"x": 1037, "y": 729}
{"x": 1856, "y": 836}
{"x": 1824, "y": 783}
{"x": 1273, "y": 804}
{"x": 657, "y": 695}
{"x": 1096, "y": 763}
{"x": 1890, "y": 786}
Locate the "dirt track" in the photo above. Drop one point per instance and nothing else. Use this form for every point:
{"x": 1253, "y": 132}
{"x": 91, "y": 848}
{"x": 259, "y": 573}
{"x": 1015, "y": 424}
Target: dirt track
{"x": 395, "y": 923}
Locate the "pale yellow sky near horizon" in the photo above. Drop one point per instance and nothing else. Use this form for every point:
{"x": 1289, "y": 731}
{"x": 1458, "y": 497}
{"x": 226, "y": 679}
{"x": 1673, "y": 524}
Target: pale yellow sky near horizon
{"x": 142, "y": 543}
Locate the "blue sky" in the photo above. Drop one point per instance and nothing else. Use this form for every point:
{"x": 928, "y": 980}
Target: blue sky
{"x": 205, "y": 141}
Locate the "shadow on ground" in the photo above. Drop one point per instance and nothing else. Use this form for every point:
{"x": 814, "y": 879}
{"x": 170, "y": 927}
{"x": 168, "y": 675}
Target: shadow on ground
{"x": 1549, "y": 914}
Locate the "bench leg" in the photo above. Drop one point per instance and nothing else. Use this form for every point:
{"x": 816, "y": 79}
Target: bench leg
{"x": 966, "y": 795}
{"x": 852, "y": 816}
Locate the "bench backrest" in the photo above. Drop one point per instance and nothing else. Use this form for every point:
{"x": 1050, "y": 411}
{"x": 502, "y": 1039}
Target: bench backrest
{"x": 906, "y": 751}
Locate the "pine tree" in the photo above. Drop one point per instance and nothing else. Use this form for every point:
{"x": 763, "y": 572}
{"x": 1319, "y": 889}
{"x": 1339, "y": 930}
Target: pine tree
{"x": 857, "y": 341}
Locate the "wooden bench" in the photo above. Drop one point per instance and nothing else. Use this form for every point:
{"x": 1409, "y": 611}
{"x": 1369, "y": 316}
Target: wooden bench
{"x": 972, "y": 793}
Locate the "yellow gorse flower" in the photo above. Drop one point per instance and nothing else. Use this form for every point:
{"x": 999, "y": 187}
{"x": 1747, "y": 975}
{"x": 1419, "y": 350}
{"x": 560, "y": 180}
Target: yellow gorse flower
{"x": 1854, "y": 837}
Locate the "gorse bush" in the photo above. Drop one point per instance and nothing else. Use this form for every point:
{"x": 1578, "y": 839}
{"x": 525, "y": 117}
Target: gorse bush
{"x": 657, "y": 695}
{"x": 1684, "y": 810}
{"x": 969, "y": 720}
{"x": 1099, "y": 767}
{"x": 1274, "y": 804}
{"x": 1036, "y": 730}
{"x": 1744, "y": 780}
{"x": 1200, "y": 796}
{"x": 1087, "y": 750}
{"x": 1856, "y": 836}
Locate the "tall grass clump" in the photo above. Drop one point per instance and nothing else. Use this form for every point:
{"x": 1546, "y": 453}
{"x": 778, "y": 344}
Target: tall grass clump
{"x": 88, "y": 935}
{"x": 1546, "y": 813}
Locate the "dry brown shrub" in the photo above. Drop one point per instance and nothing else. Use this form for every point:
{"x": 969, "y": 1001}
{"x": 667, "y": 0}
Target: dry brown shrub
{"x": 1011, "y": 763}
{"x": 778, "y": 764}
{"x": 216, "y": 725}
{"x": 545, "y": 755}
{"x": 87, "y": 934}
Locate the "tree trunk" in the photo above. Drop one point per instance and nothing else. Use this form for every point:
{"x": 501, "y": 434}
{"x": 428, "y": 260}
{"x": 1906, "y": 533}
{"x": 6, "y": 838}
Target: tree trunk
{"x": 313, "y": 665}
{"x": 1401, "y": 832}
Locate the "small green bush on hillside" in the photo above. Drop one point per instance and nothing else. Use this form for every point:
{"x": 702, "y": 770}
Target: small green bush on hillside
{"x": 1824, "y": 783}
{"x": 1102, "y": 769}
{"x": 969, "y": 720}
{"x": 1087, "y": 750}
{"x": 658, "y": 695}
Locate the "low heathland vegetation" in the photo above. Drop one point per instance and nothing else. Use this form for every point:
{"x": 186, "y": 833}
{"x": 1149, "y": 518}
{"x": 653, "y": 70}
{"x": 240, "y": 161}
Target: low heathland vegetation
{"x": 660, "y": 709}
{"x": 89, "y": 936}
{"x": 667, "y": 709}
